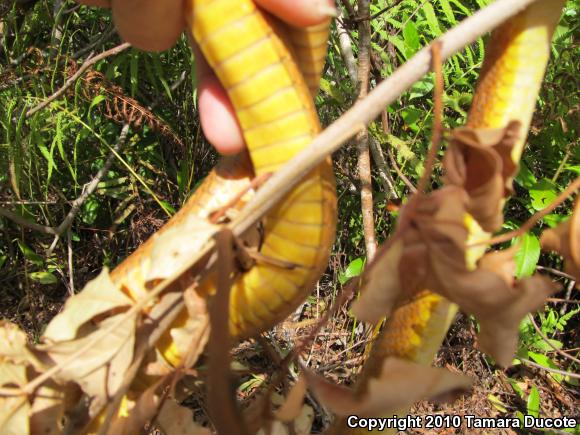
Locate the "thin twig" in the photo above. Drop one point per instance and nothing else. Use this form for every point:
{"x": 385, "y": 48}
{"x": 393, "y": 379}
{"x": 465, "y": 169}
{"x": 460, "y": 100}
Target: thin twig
{"x": 556, "y": 272}
{"x": 89, "y": 188}
{"x": 223, "y": 409}
{"x": 86, "y": 65}
{"x": 346, "y": 47}
{"x": 26, "y": 223}
{"x": 437, "y": 131}
{"x": 399, "y": 172}
{"x": 549, "y": 369}
{"x": 529, "y": 224}
{"x": 547, "y": 340}
{"x": 382, "y": 168}
{"x": 562, "y": 300}
{"x": 71, "y": 281}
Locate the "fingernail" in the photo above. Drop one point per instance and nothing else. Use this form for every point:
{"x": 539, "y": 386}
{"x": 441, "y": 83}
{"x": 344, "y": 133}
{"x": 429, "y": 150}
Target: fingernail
{"x": 326, "y": 10}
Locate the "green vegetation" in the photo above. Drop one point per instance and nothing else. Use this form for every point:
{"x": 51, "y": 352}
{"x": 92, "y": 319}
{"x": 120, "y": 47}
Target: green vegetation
{"x": 48, "y": 156}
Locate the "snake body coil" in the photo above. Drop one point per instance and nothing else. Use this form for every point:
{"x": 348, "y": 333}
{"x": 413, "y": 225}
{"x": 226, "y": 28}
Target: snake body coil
{"x": 259, "y": 61}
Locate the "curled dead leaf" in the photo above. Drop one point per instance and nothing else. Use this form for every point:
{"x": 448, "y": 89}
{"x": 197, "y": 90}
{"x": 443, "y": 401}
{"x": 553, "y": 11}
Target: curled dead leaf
{"x": 480, "y": 161}
{"x": 14, "y": 410}
{"x": 403, "y": 268}
{"x": 293, "y": 404}
{"x": 14, "y": 346}
{"x": 493, "y": 296}
{"x": 428, "y": 251}
{"x": 565, "y": 239}
{"x": 95, "y": 360}
{"x": 177, "y": 420}
{"x": 99, "y": 296}
{"x": 382, "y": 286}
{"x": 399, "y": 384}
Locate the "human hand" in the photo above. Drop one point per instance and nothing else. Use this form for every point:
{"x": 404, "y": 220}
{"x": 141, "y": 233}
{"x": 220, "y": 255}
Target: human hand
{"x": 155, "y": 25}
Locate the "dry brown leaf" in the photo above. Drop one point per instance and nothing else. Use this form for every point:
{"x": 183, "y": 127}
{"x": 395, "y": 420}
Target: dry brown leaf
{"x": 99, "y": 296}
{"x": 400, "y": 384}
{"x": 101, "y": 368}
{"x": 190, "y": 339}
{"x": 293, "y": 404}
{"x": 14, "y": 411}
{"x": 382, "y": 287}
{"x": 565, "y": 239}
{"x": 178, "y": 420}
{"x": 403, "y": 268}
{"x": 492, "y": 296}
{"x": 14, "y": 346}
{"x": 479, "y": 160}
{"x": 429, "y": 252}
{"x": 140, "y": 412}
{"x": 47, "y": 410}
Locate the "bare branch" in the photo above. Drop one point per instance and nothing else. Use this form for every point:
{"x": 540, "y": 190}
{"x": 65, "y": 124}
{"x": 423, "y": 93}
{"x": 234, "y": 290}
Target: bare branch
{"x": 362, "y": 137}
{"x": 26, "y": 223}
{"x": 366, "y": 110}
{"x": 89, "y": 188}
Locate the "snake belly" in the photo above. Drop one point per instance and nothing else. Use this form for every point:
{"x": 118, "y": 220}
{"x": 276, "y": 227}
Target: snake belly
{"x": 516, "y": 58}
{"x": 259, "y": 61}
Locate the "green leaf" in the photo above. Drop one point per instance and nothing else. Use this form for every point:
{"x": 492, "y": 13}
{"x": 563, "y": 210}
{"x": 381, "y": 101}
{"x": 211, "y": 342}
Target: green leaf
{"x": 448, "y": 11}
{"x": 332, "y": 90}
{"x": 515, "y": 385}
{"x": 543, "y": 193}
{"x": 533, "y": 405}
{"x": 541, "y": 345}
{"x": 168, "y": 207}
{"x": 553, "y": 220}
{"x": 43, "y": 277}
{"x": 497, "y": 403}
{"x": 527, "y": 256}
{"x": 355, "y": 268}
{"x": 3, "y": 259}
{"x": 544, "y": 361}
{"x": 431, "y": 19}
{"x": 421, "y": 88}
{"x": 96, "y": 101}
{"x": 29, "y": 254}
{"x": 399, "y": 45}
{"x": 520, "y": 417}
{"x": 525, "y": 177}
{"x": 411, "y": 37}
{"x": 411, "y": 115}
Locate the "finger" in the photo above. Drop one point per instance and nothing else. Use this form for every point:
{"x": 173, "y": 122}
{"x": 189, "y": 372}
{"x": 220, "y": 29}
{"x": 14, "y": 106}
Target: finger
{"x": 218, "y": 119}
{"x": 151, "y": 25}
{"x": 99, "y": 3}
{"x": 300, "y": 12}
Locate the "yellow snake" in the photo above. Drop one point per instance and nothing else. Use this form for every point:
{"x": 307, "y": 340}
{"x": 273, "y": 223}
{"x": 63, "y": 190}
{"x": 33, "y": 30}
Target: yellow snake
{"x": 270, "y": 71}
{"x": 515, "y": 62}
